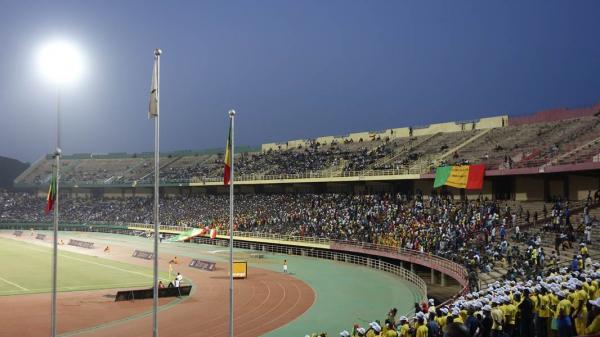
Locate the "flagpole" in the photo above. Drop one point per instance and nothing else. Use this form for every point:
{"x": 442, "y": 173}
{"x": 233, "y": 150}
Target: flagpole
{"x": 55, "y": 227}
{"x": 157, "y": 53}
{"x": 231, "y": 180}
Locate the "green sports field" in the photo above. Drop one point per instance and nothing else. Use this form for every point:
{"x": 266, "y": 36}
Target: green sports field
{"x": 26, "y": 269}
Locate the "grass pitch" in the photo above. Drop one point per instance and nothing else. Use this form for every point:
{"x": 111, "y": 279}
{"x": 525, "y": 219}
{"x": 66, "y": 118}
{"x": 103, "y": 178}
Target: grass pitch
{"x": 26, "y": 269}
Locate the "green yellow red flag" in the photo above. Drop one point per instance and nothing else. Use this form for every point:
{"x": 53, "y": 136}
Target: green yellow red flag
{"x": 461, "y": 176}
{"x": 51, "y": 197}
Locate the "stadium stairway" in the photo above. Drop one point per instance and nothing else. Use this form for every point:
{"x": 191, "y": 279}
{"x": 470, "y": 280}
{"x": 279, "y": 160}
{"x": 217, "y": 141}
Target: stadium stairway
{"x": 463, "y": 144}
{"x": 433, "y": 150}
{"x": 403, "y": 150}
{"x": 162, "y": 166}
{"x": 588, "y": 149}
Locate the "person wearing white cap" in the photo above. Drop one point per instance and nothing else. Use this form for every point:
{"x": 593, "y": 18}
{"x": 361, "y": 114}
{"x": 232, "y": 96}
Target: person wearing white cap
{"x": 456, "y": 318}
{"x": 361, "y": 332}
{"x": 580, "y": 299}
{"x": 422, "y": 330}
{"x": 431, "y": 304}
{"x": 375, "y": 327}
{"x": 441, "y": 317}
{"x": 594, "y": 327}
{"x": 543, "y": 322}
{"x": 510, "y": 315}
{"x": 344, "y": 334}
{"x": 497, "y": 319}
{"x": 562, "y": 315}
{"x": 404, "y": 327}
{"x": 486, "y": 322}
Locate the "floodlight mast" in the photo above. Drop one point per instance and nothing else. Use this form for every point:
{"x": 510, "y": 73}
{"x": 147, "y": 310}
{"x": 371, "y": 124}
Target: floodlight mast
{"x": 61, "y": 63}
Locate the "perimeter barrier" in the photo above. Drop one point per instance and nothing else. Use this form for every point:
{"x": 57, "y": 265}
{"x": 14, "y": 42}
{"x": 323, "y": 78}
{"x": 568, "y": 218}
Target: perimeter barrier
{"x": 345, "y": 251}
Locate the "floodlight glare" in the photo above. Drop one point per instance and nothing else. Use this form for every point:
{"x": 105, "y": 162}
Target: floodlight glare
{"x": 60, "y": 62}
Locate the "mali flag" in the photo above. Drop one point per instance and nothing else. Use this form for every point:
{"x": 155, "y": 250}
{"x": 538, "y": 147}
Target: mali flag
{"x": 227, "y": 173}
{"x": 51, "y": 194}
{"x": 464, "y": 176}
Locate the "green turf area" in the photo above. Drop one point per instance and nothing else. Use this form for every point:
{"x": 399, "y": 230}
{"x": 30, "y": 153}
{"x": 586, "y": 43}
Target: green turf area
{"x": 345, "y": 293}
{"x": 26, "y": 269}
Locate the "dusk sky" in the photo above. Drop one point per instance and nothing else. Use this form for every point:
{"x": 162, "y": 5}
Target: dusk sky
{"x": 291, "y": 69}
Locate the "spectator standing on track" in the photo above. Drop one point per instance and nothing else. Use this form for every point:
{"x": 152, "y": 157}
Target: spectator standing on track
{"x": 285, "y": 266}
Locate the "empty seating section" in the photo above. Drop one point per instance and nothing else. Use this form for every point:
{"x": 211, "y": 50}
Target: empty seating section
{"x": 532, "y": 145}
{"x": 557, "y": 142}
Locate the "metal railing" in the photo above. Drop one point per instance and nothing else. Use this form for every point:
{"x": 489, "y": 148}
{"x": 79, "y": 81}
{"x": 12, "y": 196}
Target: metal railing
{"x": 419, "y": 169}
{"x": 444, "y": 265}
{"x": 427, "y": 259}
{"x": 310, "y": 175}
{"x": 415, "y": 255}
{"x": 404, "y": 274}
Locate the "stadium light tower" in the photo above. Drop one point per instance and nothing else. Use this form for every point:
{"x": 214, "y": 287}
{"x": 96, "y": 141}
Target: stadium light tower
{"x": 61, "y": 63}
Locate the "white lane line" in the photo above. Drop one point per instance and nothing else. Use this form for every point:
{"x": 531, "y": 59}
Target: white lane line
{"x": 98, "y": 264}
{"x": 13, "y": 284}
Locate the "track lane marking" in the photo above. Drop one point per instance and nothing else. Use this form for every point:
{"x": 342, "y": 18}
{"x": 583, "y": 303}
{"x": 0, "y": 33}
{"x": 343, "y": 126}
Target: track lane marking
{"x": 13, "y": 284}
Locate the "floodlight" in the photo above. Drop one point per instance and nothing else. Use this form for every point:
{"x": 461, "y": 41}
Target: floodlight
{"x": 60, "y": 62}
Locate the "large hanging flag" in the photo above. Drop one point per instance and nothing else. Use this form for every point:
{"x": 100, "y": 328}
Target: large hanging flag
{"x": 51, "y": 193}
{"x": 469, "y": 177}
{"x": 153, "y": 105}
{"x": 227, "y": 172}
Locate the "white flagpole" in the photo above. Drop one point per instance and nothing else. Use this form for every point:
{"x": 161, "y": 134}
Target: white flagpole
{"x": 55, "y": 228}
{"x": 157, "y": 53}
{"x": 231, "y": 180}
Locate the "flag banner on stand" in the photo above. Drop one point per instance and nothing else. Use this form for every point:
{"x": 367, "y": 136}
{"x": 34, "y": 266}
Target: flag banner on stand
{"x": 469, "y": 177}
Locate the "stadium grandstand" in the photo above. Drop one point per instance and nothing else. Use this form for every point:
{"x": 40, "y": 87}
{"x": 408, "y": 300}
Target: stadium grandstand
{"x": 520, "y": 255}
{"x": 517, "y": 153}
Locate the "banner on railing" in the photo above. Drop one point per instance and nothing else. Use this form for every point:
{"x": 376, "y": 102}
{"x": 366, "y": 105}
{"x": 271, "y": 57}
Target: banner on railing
{"x": 469, "y": 177}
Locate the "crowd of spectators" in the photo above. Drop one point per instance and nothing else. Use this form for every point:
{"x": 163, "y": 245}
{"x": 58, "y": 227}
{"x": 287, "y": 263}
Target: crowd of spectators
{"x": 478, "y": 234}
{"x": 473, "y": 233}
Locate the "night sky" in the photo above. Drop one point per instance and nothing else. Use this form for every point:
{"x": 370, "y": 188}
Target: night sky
{"x": 291, "y": 69}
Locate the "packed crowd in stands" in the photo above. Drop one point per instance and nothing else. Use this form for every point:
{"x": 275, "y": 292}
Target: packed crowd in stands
{"x": 474, "y": 233}
{"x": 529, "y": 145}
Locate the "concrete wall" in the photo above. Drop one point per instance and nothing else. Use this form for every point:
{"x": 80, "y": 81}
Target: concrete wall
{"x": 580, "y": 185}
{"x": 424, "y": 185}
{"x": 529, "y": 188}
{"x": 480, "y": 124}
{"x": 556, "y": 187}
